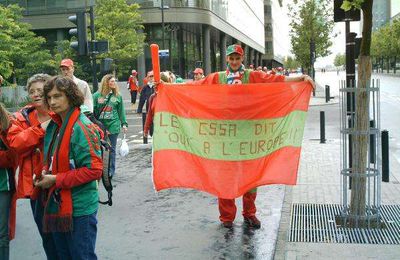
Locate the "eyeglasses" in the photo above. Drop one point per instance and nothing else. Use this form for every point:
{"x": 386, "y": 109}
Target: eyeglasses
{"x": 151, "y": 76}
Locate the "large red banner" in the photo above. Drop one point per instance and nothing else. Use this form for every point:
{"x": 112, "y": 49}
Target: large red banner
{"x": 226, "y": 140}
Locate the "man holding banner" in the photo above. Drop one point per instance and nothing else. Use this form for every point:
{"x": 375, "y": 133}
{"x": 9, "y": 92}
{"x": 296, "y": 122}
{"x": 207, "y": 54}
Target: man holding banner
{"x": 237, "y": 74}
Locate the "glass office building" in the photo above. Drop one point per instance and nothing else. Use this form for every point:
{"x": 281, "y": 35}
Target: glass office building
{"x": 277, "y": 40}
{"x": 380, "y": 14}
{"x": 196, "y": 31}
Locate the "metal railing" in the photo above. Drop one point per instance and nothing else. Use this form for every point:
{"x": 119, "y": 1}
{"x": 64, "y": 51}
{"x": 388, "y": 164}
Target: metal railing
{"x": 351, "y": 180}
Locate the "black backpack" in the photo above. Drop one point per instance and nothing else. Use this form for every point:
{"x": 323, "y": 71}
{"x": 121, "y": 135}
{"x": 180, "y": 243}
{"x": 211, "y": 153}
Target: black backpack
{"x": 105, "y": 153}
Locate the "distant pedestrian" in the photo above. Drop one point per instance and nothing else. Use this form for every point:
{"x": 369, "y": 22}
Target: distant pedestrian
{"x": 236, "y": 74}
{"x": 166, "y": 77}
{"x": 109, "y": 109}
{"x": 72, "y": 166}
{"x": 133, "y": 86}
{"x": 198, "y": 74}
{"x": 146, "y": 92}
{"x": 67, "y": 69}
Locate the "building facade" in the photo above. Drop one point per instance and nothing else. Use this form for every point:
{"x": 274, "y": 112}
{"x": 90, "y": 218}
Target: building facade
{"x": 273, "y": 13}
{"x": 380, "y": 13}
{"x": 394, "y": 10}
{"x": 196, "y": 32}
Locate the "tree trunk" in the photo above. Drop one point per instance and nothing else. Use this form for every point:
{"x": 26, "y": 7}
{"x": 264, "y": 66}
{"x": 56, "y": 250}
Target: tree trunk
{"x": 14, "y": 77}
{"x": 360, "y": 142}
{"x": 395, "y": 63}
{"x": 361, "y": 122}
{"x": 388, "y": 64}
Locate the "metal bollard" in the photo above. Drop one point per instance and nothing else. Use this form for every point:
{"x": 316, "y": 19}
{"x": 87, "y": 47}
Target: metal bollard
{"x": 372, "y": 143}
{"x": 143, "y": 123}
{"x": 322, "y": 126}
{"x": 327, "y": 94}
{"x": 350, "y": 121}
{"x": 385, "y": 155}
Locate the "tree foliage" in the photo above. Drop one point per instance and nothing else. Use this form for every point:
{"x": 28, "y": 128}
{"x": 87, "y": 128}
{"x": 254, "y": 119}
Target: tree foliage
{"x": 340, "y": 60}
{"x": 121, "y": 25}
{"x": 385, "y": 43}
{"x": 291, "y": 63}
{"x": 21, "y": 51}
{"x": 312, "y": 20}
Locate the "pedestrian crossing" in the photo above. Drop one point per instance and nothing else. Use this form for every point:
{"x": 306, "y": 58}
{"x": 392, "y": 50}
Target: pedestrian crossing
{"x": 138, "y": 138}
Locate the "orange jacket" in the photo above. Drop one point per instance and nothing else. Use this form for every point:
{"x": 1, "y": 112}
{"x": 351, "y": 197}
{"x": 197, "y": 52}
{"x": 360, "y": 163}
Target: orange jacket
{"x": 25, "y": 136}
{"x": 8, "y": 159}
{"x": 133, "y": 84}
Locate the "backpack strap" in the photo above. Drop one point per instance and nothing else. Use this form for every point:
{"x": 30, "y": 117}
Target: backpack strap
{"x": 105, "y": 177}
{"x": 97, "y": 115}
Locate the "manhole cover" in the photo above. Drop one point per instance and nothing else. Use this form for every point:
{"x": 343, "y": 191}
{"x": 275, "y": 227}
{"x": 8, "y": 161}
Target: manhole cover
{"x": 316, "y": 223}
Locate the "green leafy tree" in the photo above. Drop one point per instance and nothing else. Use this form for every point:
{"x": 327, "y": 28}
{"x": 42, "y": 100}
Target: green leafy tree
{"x": 340, "y": 60}
{"x": 21, "y": 51}
{"x": 120, "y": 24}
{"x": 291, "y": 63}
{"x": 385, "y": 44}
{"x": 312, "y": 21}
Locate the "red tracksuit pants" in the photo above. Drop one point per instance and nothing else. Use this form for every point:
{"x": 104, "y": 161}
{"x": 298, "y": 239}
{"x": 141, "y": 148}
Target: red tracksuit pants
{"x": 227, "y": 207}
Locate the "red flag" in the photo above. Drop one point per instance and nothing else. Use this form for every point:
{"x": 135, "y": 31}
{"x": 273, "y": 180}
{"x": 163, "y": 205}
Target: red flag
{"x": 226, "y": 139}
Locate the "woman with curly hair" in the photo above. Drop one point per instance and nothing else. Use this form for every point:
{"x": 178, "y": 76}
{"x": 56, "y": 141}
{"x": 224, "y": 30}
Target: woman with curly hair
{"x": 72, "y": 166}
{"x": 109, "y": 109}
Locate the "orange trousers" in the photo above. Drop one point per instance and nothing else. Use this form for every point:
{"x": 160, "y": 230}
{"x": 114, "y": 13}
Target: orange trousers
{"x": 227, "y": 207}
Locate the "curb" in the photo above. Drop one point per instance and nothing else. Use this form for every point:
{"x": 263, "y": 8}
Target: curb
{"x": 320, "y": 101}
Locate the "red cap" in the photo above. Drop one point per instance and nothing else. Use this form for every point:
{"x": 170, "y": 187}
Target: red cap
{"x": 66, "y": 63}
{"x": 198, "y": 71}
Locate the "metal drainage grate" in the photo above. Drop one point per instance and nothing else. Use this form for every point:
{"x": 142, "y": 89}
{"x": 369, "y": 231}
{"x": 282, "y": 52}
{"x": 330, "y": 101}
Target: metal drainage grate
{"x": 316, "y": 223}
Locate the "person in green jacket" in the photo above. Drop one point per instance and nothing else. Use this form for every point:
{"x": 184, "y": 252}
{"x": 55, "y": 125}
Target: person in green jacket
{"x": 109, "y": 109}
{"x": 72, "y": 165}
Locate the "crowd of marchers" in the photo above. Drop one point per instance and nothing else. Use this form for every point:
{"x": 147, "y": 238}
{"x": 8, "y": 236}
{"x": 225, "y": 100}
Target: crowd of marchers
{"x": 56, "y": 150}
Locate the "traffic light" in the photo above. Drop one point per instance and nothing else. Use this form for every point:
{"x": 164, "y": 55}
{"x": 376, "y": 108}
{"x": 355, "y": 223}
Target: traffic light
{"x": 79, "y": 19}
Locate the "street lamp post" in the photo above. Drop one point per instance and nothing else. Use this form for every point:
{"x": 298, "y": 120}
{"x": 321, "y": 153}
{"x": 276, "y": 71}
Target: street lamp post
{"x": 163, "y": 32}
{"x": 162, "y": 24}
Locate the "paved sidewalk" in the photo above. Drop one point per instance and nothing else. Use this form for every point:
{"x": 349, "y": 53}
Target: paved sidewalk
{"x": 319, "y": 183}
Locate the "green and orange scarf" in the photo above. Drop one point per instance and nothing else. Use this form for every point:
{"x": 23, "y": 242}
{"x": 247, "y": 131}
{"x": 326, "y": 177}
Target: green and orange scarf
{"x": 58, "y": 207}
